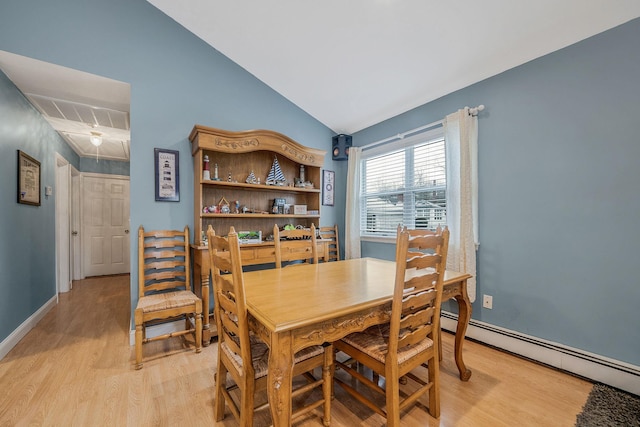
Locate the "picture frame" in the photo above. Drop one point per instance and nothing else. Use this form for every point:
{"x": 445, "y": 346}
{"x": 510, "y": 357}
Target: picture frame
{"x": 167, "y": 173}
{"x": 328, "y": 187}
{"x": 29, "y": 180}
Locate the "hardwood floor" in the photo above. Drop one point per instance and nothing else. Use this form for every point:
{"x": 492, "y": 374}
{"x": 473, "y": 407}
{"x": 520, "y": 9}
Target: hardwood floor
{"x": 76, "y": 368}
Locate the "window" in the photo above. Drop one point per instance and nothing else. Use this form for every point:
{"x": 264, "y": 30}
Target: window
{"x": 404, "y": 183}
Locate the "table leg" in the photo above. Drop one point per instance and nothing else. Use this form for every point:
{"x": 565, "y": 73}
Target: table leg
{"x": 201, "y": 287}
{"x": 464, "y": 314}
{"x": 279, "y": 379}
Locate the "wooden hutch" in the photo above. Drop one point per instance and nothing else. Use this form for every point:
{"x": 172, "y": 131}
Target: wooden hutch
{"x": 237, "y": 156}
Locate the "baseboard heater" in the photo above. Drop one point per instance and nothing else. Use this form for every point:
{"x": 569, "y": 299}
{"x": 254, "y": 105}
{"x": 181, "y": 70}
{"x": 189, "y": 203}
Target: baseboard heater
{"x": 598, "y": 368}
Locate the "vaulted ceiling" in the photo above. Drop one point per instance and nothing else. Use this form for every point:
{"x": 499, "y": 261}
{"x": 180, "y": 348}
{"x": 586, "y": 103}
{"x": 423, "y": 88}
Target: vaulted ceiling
{"x": 354, "y": 63}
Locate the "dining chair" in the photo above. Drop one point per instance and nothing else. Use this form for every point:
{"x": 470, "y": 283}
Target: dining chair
{"x": 411, "y": 337}
{"x": 241, "y": 354}
{"x": 299, "y": 245}
{"x": 164, "y": 287}
{"x": 333, "y": 247}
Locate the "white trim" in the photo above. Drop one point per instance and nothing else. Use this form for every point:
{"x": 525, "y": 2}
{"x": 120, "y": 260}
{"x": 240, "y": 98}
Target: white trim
{"x": 105, "y": 175}
{"x": 14, "y": 337}
{"x": 622, "y": 375}
{"x": 402, "y": 135}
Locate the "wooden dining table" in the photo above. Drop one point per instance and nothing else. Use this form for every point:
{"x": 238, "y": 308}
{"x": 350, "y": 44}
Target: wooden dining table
{"x": 299, "y": 306}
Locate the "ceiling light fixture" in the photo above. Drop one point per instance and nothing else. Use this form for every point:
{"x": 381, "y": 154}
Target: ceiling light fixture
{"x": 96, "y": 138}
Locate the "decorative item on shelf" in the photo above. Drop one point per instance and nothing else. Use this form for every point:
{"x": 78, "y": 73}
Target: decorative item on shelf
{"x": 206, "y": 174}
{"x": 223, "y": 206}
{"x": 236, "y": 206}
{"x": 246, "y": 237}
{"x": 215, "y": 173}
{"x": 302, "y": 173}
{"x": 299, "y": 209}
{"x": 278, "y": 206}
{"x": 205, "y": 209}
{"x": 276, "y": 177}
{"x": 229, "y": 177}
{"x": 251, "y": 179}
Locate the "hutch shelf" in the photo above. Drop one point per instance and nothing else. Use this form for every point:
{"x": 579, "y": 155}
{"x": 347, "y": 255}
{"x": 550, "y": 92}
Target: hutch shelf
{"x": 236, "y": 156}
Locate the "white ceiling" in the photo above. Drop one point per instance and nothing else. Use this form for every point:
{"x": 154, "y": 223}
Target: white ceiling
{"x": 354, "y": 63}
{"x": 348, "y": 63}
{"x": 75, "y": 103}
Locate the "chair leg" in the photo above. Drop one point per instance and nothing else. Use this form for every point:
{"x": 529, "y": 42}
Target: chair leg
{"x": 246, "y": 404}
{"x": 434, "y": 391}
{"x": 198, "y": 332}
{"x": 221, "y": 382}
{"x": 327, "y": 383}
{"x": 138, "y": 338}
{"x": 393, "y": 403}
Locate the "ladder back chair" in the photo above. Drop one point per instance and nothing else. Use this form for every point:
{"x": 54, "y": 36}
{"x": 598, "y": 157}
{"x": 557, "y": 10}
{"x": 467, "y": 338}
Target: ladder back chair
{"x": 333, "y": 248}
{"x": 299, "y": 245}
{"x": 164, "y": 287}
{"x": 411, "y": 338}
{"x": 241, "y": 354}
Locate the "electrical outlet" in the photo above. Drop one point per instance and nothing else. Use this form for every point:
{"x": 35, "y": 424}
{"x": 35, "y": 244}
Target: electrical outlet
{"x": 487, "y": 301}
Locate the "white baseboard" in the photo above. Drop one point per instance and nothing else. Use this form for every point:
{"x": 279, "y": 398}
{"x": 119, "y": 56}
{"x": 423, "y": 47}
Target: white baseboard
{"x": 156, "y": 330}
{"x": 622, "y": 375}
{"x": 14, "y": 338}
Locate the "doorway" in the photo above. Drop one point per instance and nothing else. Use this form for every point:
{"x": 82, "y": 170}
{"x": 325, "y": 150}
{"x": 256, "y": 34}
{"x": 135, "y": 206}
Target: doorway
{"x": 105, "y": 225}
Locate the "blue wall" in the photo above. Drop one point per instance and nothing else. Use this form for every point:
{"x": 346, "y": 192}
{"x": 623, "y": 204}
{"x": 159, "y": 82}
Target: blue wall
{"x": 558, "y": 177}
{"x": 27, "y": 233}
{"x": 109, "y": 167}
{"x": 176, "y": 81}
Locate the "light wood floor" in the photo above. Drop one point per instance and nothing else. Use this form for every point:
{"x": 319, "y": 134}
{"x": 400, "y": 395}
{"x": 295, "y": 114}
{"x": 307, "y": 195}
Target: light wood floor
{"x": 75, "y": 368}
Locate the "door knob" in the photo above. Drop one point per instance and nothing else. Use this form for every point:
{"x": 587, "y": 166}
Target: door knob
{"x": 126, "y": 231}
{"x": 74, "y": 233}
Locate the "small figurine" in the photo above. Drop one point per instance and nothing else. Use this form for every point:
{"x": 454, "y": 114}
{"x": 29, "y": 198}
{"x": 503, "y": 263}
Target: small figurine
{"x": 229, "y": 177}
{"x": 215, "y": 173}
{"x": 206, "y": 175}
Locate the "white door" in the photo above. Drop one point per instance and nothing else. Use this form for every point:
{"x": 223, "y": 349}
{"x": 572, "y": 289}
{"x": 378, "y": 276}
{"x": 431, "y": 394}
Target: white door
{"x": 105, "y": 225}
{"x": 76, "y": 257}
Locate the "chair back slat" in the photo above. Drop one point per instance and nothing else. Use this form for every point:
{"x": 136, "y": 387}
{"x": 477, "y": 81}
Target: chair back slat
{"x": 333, "y": 247}
{"x": 165, "y": 269}
{"x": 417, "y": 319}
{"x": 230, "y": 306}
{"x": 300, "y": 245}
{"x": 178, "y": 252}
{"x": 420, "y": 266}
{"x": 423, "y": 261}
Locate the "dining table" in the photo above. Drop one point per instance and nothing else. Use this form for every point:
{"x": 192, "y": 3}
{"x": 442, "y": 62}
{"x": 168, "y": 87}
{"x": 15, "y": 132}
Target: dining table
{"x": 310, "y": 304}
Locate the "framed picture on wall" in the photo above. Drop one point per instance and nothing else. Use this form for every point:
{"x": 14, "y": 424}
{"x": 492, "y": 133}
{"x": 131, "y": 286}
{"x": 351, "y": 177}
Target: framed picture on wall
{"x": 28, "y": 180}
{"x": 328, "y": 187}
{"x": 167, "y": 175}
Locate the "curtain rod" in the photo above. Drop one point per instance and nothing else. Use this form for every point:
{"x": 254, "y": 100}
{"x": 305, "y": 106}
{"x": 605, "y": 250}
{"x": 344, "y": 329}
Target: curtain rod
{"x": 473, "y": 111}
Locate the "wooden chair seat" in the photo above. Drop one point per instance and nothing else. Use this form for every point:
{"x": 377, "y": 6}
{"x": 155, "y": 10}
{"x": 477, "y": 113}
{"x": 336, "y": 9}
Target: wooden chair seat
{"x": 166, "y": 301}
{"x": 260, "y": 356}
{"x": 375, "y": 343}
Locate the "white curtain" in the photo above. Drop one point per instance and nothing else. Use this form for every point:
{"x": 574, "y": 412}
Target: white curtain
{"x": 461, "y": 143}
{"x": 352, "y": 215}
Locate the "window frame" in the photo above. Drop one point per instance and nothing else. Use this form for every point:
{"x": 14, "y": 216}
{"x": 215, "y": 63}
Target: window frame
{"x": 433, "y": 135}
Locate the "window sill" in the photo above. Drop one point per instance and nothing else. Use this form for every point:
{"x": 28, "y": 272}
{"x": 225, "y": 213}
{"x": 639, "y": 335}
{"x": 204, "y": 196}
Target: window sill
{"x": 387, "y": 239}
